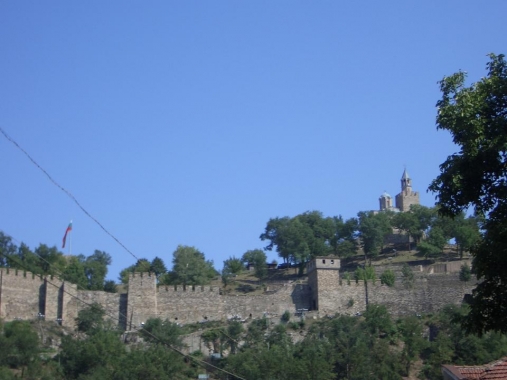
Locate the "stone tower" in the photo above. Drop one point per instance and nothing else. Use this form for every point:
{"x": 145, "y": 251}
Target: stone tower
{"x": 142, "y": 299}
{"x": 386, "y": 202}
{"x": 407, "y": 196}
{"x": 323, "y": 280}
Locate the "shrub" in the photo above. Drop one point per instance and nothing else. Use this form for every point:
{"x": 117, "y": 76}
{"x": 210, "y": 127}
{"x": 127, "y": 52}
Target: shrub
{"x": 387, "y": 278}
{"x": 285, "y": 316}
{"x": 365, "y": 274}
{"x": 408, "y": 276}
{"x": 465, "y": 274}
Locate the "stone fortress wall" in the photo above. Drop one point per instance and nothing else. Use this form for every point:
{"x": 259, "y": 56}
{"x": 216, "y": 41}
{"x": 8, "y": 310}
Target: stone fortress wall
{"x": 26, "y": 296}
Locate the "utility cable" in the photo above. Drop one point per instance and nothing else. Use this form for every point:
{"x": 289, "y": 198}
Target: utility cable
{"x": 69, "y": 194}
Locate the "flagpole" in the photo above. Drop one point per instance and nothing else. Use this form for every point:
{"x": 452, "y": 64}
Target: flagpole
{"x": 70, "y": 242}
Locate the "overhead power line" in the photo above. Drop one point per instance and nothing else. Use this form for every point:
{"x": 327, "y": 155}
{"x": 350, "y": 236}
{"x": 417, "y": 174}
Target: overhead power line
{"x": 69, "y": 194}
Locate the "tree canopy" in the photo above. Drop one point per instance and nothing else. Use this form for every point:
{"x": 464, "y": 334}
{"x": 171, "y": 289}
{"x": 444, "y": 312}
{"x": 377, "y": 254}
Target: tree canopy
{"x": 476, "y": 177}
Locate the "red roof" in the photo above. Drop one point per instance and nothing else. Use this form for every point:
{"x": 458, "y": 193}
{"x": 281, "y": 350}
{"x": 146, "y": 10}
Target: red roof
{"x": 496, "y": 370}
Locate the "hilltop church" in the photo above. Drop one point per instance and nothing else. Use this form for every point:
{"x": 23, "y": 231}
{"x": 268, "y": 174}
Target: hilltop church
{"x": 404, "y": 199}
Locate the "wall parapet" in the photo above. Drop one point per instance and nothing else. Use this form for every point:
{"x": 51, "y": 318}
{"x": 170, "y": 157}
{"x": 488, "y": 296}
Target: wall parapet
{"x": 188, "y": 289}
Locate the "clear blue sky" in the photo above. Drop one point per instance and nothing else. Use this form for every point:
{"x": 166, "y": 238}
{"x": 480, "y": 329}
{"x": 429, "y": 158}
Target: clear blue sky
{"x": 194, "y": 122}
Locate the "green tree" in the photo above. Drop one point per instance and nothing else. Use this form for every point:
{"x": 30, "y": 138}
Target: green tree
{"x": 233, "y": 336}
{"x": 7, "y": 248}
{"x": 233, "y": 265}
{"x": 157, "y": 331}
{"x": 413, "y": 341}
{"x": 96, "y": 269}
{"x": 344, "y": 242}
{"x": 434, "y": 245}
{"x": 408, "y": 223}
{"x": 95, "y": 356}
{"x": 110, "y": 286}
{"x": 388, "y": 277}
{"x": 476, "y": 117}
{"x": 300, "y": 238}
{"x": 143, "y": 265}
{"x": 258, "y": 258}
{"x": 74, "y": 272}
{"x": 158, "y": 267}
{"x": 28, "y": 260}
{"x": 373, "y": 228}
{"x": 365, "y": 274}
{"x": 276, "y": 232}
{"x": 20, "y": 345}
{"x": 408, "y": 277}
{"x": 378, "y": 320}
{"x": 314, "y": 359}
{"x": 124, "y": 274}
{"x": 50, "y": 260}
{"x": 91, "y": 318}
{"x": 190, "y": 267}
{"x": 465, "y": 273}
{"x": 466, "y": 233}
{"x": 152, "y": 363}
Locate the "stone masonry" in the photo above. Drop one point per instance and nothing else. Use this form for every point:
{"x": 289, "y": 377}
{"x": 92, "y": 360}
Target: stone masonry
{"x": 27, "y": 296}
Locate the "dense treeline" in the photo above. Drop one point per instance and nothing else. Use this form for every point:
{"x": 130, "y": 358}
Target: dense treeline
{"x": 303, "y": 237}
{"x": 88, "y": 272}
{"x": 371, "y": 346}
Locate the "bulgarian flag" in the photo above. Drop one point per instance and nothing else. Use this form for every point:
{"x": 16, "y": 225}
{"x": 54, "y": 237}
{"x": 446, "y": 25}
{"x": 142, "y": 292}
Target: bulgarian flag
{"x": 69, "y": 228}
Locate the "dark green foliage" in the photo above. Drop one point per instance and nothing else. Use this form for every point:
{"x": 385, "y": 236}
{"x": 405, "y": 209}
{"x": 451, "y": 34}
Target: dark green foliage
{"x": 257, "y": 257}
{"x": 90, "y": 319}
{"x": 7, "y": 249}
{"x": 110, "y": 286}
{"x": 344, "y": 347}
{"x": 96, "y": 269}
{"x": 233, "y": 265}
{"x": 408, "y": 277}
{"x": 233, "y": 335}
{"x": 158, "y": 331}
{"x": 434, "y": 245}
{"x": 476, "y": 117}
{"x": 344, "y": 242}
{"x": 93, "y": 355}
{"x": 285, "y": 316}
{"x": 158, "y": 267}
{"x": 378, "y": 321}
{"x": 388, "y": 277}
{"x": 365, "y": 274}
{"x": 154, "y": 363}
{"x": 190, "y": 267}
{"x": 143, "y": 265}
{"x": 19, "y": 345}
{"x": 408, "y": 222}
{"x": 373, "y": 228}
{"x": 411, "y": 329}
{"x": 302, "y": 237}
{"x": 465, "y": 273}
{"x": 75, "y": 272}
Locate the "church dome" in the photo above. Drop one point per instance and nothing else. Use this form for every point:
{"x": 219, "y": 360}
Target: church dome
{"x": 385, "y": 195}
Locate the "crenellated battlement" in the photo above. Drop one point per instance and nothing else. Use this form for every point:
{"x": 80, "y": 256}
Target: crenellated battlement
{"x": 142, "y": 281}
{"x": 16, "y": 273}
{"x": 188, "y": 289}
